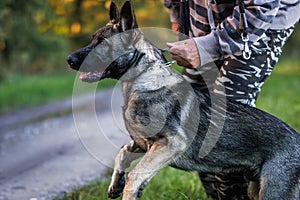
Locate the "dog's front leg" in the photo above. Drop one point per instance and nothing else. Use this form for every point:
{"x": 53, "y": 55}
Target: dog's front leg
{"x": 126, "y": 155}
{"x": 161, "y": 154}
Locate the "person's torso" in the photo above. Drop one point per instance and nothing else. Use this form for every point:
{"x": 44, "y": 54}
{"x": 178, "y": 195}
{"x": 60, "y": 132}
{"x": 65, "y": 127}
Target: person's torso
{"x": 287, "y": 15}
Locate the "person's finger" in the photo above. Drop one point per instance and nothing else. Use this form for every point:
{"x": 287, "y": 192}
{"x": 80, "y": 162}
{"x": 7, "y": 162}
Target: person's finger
{"x": 169, "y": 44}
{"x": 175, "y": 50}
{"x": 181, "y": 61}
{"x": 175, "y": 57}
{"x": 185, "y": 53}
{"x": 185, "y": 64}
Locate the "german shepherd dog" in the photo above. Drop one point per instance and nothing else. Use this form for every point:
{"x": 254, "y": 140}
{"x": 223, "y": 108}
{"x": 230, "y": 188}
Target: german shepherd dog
{"x": 161, "y": 115}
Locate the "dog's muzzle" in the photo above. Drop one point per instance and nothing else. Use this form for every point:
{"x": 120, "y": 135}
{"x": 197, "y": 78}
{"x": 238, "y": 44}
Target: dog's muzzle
{"x": 76, "y": 59}
{"x": 72, "y": 60}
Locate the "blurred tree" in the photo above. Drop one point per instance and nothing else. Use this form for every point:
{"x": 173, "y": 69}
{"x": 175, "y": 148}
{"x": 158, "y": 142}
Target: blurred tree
{"x": 83, "y": 17}
{"x": 36, "y": 36}
{"x": 27, "y": 44}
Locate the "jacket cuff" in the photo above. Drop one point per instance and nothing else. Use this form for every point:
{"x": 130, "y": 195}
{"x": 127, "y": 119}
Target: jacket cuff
{"x": 208, "y": 48}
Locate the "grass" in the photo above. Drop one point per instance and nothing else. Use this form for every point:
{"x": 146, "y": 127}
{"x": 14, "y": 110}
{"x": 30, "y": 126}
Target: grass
{"x": 19, "y": 91}
{"x": 22, "y": 91}
{"x": 280, "y": 96}
{"x": 168, "y": 184}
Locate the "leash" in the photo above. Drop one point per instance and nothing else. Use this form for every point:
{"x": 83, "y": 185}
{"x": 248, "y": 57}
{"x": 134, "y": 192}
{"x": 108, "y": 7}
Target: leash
{"x": 167, "y": 50}
{"x": 243, "y": 26}
{"x": 184, "y": 24}
{"x": 170, "y": 63}
{"x": 244, "y": 30}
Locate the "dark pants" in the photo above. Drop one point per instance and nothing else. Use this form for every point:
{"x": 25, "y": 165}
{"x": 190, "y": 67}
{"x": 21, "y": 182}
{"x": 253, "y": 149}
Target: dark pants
{"x": 239, "y": 80}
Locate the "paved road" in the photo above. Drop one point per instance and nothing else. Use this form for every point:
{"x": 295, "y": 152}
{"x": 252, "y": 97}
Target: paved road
{"x": 47, "y": 151}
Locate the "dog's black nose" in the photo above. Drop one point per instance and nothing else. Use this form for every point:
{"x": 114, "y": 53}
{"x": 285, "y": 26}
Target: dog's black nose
{"x": 76, "y": 58}
{"x": 72, "y": 60}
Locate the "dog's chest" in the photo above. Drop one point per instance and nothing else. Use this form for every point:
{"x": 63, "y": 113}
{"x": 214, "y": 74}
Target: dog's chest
{"x": 151, "y": 114}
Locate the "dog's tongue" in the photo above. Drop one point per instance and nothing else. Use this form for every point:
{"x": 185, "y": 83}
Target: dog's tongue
{"x": 90, "y": 76}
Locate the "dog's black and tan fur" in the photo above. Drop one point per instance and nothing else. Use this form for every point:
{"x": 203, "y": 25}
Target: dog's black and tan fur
{"x": 251, "y": 141}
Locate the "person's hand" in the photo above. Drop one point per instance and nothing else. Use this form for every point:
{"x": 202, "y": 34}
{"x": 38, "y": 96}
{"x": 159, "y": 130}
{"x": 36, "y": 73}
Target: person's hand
{"x": 185, "y": 53}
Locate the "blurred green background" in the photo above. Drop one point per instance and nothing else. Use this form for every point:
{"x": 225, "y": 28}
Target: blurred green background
{"x": 36, "y": 37}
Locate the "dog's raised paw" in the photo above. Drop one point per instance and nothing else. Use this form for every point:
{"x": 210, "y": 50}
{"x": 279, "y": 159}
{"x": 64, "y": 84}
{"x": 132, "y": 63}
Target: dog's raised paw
{"x": 113, "y": 195}
{"x": 117, "y": 185}
{"x": 115, "y": 192}
{"x": 140, "y": 193}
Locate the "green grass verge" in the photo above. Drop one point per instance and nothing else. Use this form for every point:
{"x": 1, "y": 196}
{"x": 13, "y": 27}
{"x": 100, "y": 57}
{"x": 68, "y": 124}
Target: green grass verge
{"x": 280, "y": 96}
{"x": 168, "y": 184}
{"x": 22, "y": 91}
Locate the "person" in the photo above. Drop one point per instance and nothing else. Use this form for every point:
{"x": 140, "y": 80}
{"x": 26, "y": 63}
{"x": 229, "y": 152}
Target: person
{"x": 244, "y": 40}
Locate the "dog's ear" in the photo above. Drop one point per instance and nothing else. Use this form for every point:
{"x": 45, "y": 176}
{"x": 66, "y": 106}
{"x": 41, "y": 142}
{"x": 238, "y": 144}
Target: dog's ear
{"x": 114, "y": 14}
{"x": 128, "y": 19}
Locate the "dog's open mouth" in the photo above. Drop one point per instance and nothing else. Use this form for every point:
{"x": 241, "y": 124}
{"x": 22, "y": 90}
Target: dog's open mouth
{"x": 90, "y": 77}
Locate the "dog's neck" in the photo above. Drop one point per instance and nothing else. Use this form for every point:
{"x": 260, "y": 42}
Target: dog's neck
{"x": 152, "y": 53}
{"x": 149, "y": 76}
{"x": 151, "y": 72}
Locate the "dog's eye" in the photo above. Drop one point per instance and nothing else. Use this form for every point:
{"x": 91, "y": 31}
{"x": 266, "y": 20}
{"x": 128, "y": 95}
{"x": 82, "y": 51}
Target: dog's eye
{"x": 93, "y": 36}
{"x": 98, "y": 40}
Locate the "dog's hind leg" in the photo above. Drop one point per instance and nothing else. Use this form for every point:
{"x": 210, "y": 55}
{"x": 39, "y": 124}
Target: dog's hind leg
{"x": 160, "y": 154}
{"x": 126, "y": 155}
{"x": 253, "y": 190}
{"x": 280, "y": 178}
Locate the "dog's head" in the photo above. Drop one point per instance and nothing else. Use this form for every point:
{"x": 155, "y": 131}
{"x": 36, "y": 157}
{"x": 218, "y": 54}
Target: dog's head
{"x": 110, "y": 54}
